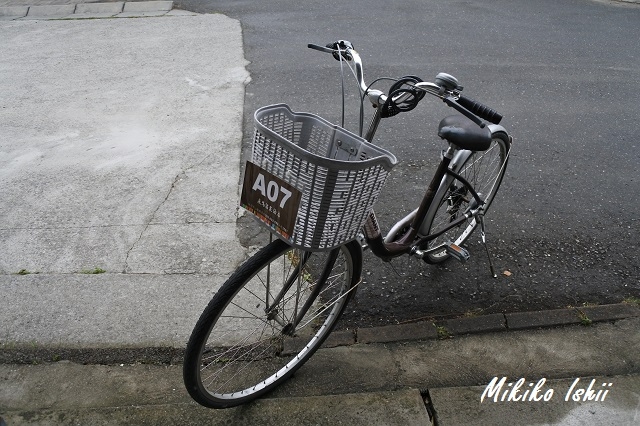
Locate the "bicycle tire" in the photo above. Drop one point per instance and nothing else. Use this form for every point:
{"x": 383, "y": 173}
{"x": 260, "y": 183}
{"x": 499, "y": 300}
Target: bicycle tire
{"x": 484, "y": 170}
{"x": 237, "y": 351}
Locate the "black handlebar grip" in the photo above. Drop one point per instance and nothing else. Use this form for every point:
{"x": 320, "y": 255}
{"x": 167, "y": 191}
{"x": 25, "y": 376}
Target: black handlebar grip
{"x": 320, "y": 48}
{"x": 480, "y": 110}
{"x": 334, "y": 48}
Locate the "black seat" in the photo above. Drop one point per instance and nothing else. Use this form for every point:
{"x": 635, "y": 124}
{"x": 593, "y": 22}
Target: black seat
{"x": 464, "y": 133}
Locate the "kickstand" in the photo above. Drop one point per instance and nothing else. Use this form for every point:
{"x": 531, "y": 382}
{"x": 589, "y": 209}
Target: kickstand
{"x": 480, "y": 218}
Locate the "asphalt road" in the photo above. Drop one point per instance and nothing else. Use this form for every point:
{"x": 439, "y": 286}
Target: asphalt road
{"x": 566, "y": 75}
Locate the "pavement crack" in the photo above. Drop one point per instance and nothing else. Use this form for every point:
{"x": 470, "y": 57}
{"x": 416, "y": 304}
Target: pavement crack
{"x": 148, "y": 223}
{"x": 428, "y": 404}
{"x": 199, "y": 163}
{"x": 56, "y": 228}
{"x": 151, "y": 221}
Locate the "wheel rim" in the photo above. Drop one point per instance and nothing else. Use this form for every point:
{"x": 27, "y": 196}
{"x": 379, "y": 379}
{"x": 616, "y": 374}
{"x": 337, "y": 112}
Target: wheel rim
{"x": 249, "y": 350}
{"x": 483, "y": 170}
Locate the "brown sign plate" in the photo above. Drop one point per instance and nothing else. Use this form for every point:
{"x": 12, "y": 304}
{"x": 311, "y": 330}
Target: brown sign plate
{"x": 271, "y": 199}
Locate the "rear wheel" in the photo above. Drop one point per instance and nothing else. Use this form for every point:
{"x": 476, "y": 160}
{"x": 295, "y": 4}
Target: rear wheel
{"x": 267, "y": 320}
{"x": 484, "y": 170}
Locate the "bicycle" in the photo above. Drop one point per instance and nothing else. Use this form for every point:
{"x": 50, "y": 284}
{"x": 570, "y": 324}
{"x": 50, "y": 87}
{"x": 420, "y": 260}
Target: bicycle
{"x": 314, "y": 185}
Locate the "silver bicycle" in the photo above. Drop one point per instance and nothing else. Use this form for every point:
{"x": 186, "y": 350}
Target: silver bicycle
{"x": 313, "y": 184}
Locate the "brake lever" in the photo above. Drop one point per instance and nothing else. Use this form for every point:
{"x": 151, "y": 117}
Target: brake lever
{"x": 333, "y": 48}
{"x": 342, "y": 46}
{"x": 450, "y": 101}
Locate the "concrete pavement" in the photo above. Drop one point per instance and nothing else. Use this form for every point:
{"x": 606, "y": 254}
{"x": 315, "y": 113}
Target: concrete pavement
{"x": 60, "y": 9}
{"x": 412, "y": 382}
{"x": 119, "y": 153}
{"x": 119, "y": 168}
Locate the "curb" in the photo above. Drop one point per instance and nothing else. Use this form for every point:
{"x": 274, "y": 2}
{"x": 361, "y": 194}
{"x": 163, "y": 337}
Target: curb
{"x": 121, "y": 9}
{"x": 498, "y": 322}
{"x": 425, "y": 330}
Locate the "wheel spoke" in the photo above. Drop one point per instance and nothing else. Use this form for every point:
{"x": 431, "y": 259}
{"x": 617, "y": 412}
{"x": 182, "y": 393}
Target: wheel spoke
{"x": 242, "y": 350}
{"x": 484, "y": 171}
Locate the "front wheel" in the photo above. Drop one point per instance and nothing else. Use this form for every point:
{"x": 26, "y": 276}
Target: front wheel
{"x": 484, "y": 170}
{"x": 267, "y": 320}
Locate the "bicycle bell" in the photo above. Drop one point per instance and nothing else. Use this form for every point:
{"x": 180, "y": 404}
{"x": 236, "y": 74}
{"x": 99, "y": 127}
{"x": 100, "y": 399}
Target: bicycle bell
{"x": 447, "y": 81}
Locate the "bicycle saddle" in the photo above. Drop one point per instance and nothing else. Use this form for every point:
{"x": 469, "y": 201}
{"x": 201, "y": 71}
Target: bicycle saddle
{"x": 464, "y": 133}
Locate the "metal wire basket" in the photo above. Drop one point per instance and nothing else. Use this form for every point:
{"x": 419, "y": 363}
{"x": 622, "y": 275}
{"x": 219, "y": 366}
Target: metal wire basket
{"x": 339, "y": 174}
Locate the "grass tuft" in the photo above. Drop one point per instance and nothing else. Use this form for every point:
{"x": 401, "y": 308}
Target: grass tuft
{"x": 632, "y": 301}
{"x": 442, "y": 331}
{"x": 584, "y": 319}
{"x": 93, "y": 271}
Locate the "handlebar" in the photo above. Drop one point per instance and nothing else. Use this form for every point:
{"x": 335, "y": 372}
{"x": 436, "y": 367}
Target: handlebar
{"x": 480, "y": 110}
{"x": 344, "y": 49}
{"x": 321, "y": 48}
{"x": 445, "y": 90}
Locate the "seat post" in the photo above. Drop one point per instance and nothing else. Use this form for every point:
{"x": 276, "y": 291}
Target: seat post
{"x": 404, "y": 243}
{"x": 433, "y": 188}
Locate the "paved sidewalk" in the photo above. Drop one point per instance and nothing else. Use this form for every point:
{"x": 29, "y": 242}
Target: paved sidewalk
{"x": 412, "y": 382}
{"x": 119, "y": 153}
{"x": 86, "y": 10}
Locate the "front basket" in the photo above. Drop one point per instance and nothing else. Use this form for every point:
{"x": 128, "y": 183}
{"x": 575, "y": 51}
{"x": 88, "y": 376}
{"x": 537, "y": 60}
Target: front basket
{"x": 339, "y": 174}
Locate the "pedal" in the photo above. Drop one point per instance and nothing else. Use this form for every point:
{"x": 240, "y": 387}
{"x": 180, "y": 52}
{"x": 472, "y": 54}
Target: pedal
{"x": 459, "y": 253}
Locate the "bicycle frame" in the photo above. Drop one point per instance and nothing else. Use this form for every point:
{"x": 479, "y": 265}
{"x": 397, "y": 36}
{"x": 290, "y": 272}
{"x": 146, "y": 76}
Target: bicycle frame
{"x": 446, "y": 88}
{"x": 407, "y": 243}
